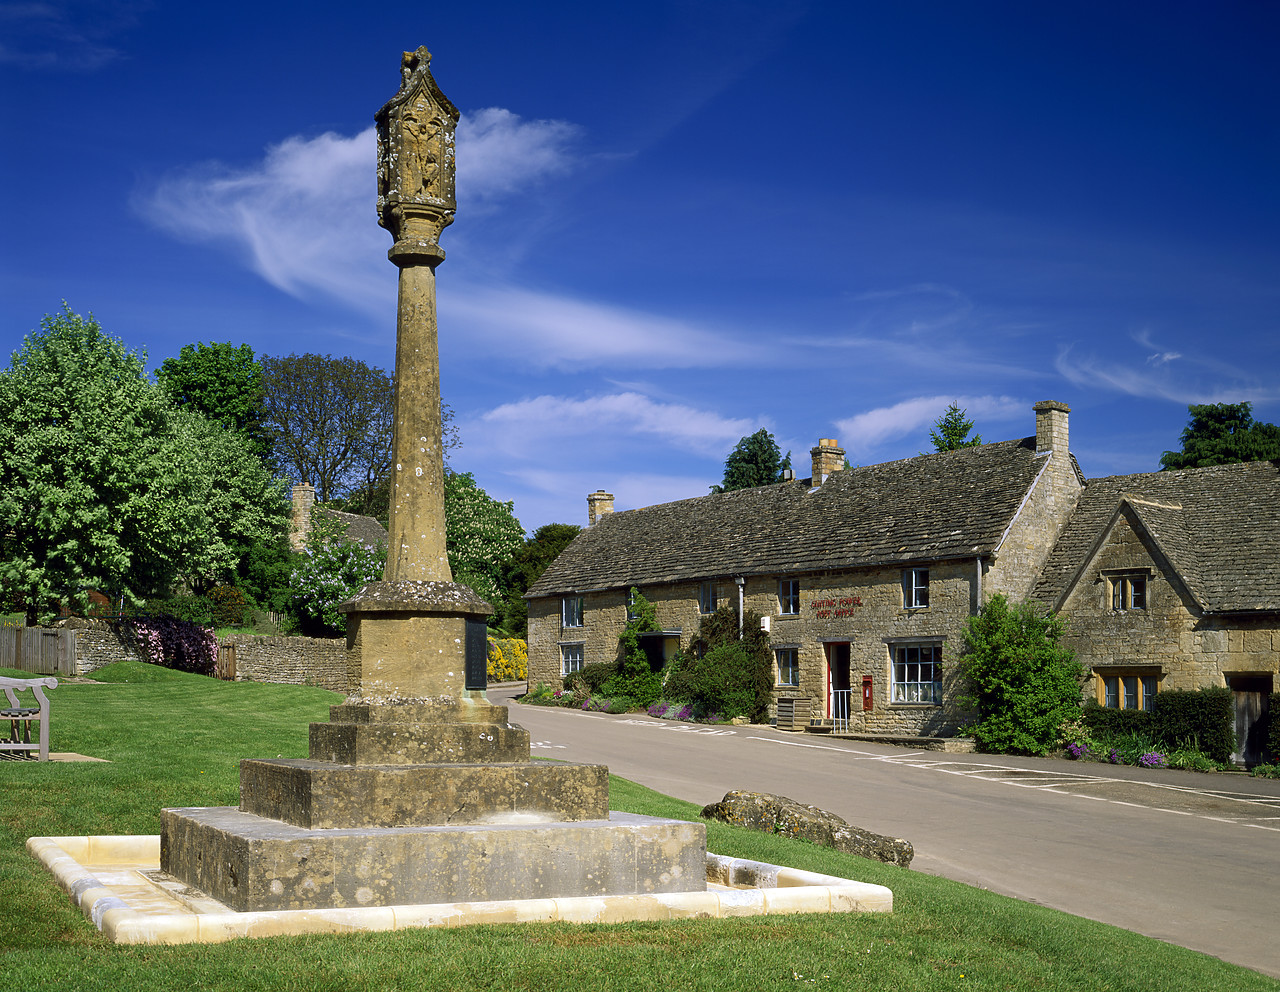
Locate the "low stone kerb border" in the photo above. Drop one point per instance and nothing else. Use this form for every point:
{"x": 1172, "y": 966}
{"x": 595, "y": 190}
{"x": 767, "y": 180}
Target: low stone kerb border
{"x": 113, "y": 879}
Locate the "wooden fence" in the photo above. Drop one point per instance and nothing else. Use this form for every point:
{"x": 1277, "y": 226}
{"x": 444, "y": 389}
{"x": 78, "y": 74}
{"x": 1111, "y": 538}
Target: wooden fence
{"x": 37, "y": 650}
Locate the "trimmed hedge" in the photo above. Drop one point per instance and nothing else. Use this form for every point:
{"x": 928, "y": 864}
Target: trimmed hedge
{"x": 1203, "y": 717}
{"x": 1104, "y": 722}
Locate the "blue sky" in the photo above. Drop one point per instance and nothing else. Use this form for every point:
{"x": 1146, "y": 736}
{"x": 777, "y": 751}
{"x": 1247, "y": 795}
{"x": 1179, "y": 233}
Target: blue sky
{"x": 679, "y": 222}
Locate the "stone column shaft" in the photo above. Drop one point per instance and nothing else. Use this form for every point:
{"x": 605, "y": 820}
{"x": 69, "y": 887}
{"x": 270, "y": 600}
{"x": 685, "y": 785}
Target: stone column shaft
{"x": 416, "y": 529}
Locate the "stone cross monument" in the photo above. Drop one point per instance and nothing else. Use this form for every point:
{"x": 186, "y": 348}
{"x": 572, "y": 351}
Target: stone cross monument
{"x": 416, "y": 634}
{"x": 418, "y": 790}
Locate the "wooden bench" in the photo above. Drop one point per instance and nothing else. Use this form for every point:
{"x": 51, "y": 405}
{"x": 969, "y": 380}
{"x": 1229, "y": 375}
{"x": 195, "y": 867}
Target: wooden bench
{"x": 21, "y": 717}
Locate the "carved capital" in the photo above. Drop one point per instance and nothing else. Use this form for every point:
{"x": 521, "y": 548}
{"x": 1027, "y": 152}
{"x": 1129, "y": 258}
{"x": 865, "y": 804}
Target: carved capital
{"x": 416, "y": 197}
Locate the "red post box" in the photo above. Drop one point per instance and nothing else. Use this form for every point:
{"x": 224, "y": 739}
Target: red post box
{"x": 866, "y": 692}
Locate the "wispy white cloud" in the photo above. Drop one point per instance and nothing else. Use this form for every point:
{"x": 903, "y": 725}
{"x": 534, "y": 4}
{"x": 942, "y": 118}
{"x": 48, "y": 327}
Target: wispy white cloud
{"x": 1198, "y": 380}
{"x": 500, "y": 153}
{"x": 303, "y": 217}
{"x": 551, "y": 421}
{"x": 551, "y": 330}
{"x": 1158, "y": 357}
{"x": 864, "y": 432}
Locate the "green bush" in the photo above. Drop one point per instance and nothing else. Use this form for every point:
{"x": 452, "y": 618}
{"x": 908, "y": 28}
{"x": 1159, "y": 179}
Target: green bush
{"x": 192, "y": 609}
{"x": 228, "y": 607}
{"x": 1105, "y": 724}
{"x": 1265, "y": 771}
{"x": 1192, "y": 759}
{"x": 590, "y": 679}
{"x": 1024, "y": 685}
{"x": 634, "y": 678}
{"x": 1197, "y": 722}
{"x": 1203, "y": 718}
{"x": 733, "y": 677}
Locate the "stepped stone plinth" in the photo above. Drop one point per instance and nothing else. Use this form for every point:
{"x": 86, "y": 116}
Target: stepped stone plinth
{"x": 418, "y": 789}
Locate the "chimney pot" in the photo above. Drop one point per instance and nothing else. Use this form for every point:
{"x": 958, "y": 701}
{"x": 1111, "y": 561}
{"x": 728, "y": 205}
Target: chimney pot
{"x": 1051, "y": 426}
{"x": 827, "y": 457}
{"x": 304, "y": 498}
{"x": 598, "y": 504}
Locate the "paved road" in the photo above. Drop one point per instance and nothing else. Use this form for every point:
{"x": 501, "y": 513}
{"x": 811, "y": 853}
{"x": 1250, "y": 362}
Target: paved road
{"x": 1188, "y": 858}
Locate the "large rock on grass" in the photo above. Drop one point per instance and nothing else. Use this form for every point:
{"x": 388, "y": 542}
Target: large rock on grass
{"x": 780, "y": 815}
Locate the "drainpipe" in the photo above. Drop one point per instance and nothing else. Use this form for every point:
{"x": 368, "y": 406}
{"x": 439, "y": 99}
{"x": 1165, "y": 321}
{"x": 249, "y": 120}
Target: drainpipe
{"x": 977, "y": 585}
{"x": 741, "y": 582}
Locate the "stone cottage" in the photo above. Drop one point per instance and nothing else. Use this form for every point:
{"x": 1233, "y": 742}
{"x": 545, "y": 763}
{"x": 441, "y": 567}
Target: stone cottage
{"x": 864, "y": 575}
{"x": 1171, "y": 580}
{"x": 1166, "y": 580}
{"x": 356, "y": 528}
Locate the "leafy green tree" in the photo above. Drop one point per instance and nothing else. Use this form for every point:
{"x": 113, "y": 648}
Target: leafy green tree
{"x": 756, "y": 460}
{"x": 524, "y": 568}
{"x": 951, "y": 431}
{"x": 242, "y": 501}
{"x": 1222, "y": 433}
{"x": 103, "y": 485}
{"x": 330, "y": 420}
{"x": 481, "y": 533}
{"x": 635, "y": 679}
{"x": 1024, "y": 685}
{"x": 223, "y": 383}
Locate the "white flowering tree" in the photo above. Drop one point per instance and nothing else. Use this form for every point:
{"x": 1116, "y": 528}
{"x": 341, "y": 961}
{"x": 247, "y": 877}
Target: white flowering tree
{"x": 481, "y": 535}
{"x": 104, "y": 485}
{"x": 332, "y": 569}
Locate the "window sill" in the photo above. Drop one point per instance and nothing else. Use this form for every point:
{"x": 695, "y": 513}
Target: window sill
{"x": 915, "y": 706}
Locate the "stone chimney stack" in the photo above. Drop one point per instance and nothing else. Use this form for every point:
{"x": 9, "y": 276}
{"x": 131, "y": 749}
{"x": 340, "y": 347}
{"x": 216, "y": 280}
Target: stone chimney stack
{"x": 828, "y": 457}
{"x": 1051, "y": 426}
{"x": 598, "y": 504}
{"x": 304, "y": 498}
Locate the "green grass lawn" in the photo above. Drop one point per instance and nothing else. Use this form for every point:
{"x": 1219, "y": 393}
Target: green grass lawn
{"x": 176, "y": 740}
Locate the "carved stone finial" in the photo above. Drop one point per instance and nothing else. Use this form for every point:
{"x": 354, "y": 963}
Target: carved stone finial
{"x": 416, "y": 198}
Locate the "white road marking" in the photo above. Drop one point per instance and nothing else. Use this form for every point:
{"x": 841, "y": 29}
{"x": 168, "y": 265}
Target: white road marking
{"x": 1053, "y": 782}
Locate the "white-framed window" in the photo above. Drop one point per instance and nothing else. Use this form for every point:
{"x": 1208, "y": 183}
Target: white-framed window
{"x": 788, "y": 597}
{"x": 707, "y": 599}
{"x": 570, "y": 658}
{"x": 632, "y": 613}
{"x": 915, "y": 588}
{"x": 1128, "y": 591}
{"x": 1128, "y": 690}
{"x": 571, "y": 611}
{"x": 917, "y": 673}
{"x": 788, "y": 663}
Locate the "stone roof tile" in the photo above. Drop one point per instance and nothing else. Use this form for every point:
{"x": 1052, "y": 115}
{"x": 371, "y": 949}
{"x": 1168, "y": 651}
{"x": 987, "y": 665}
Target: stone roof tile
{"x": 933, "y": 507}
{"x": 1219, "y": 527}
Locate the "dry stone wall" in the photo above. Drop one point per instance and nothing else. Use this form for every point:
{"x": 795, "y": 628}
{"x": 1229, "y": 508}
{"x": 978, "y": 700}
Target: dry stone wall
{"x": 98, "y": 646}
{"x": 291, "y": 660}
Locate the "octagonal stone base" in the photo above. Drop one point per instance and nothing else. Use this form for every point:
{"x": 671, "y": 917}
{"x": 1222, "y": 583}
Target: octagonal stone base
{"x": 318, "y": 794}
{"x": 251, "y": 863}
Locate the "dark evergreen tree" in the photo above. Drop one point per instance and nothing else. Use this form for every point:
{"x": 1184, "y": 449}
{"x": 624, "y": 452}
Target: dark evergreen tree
{"x": 756, "y": 460}
{"x": 951, "y": 431}
{"x": 1221, "y": 433}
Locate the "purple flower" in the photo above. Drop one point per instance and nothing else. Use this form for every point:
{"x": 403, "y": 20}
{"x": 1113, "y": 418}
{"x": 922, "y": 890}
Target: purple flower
{"x": 1077, "y": 750}
{"x": 1114, "y": 757}
{"x": 1153, "y": 759}
{"x": 685, "y": 713}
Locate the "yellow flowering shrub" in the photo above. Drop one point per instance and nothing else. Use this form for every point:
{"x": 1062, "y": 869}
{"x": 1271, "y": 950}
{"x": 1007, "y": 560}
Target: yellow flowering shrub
{"x": 508, "y": 659}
